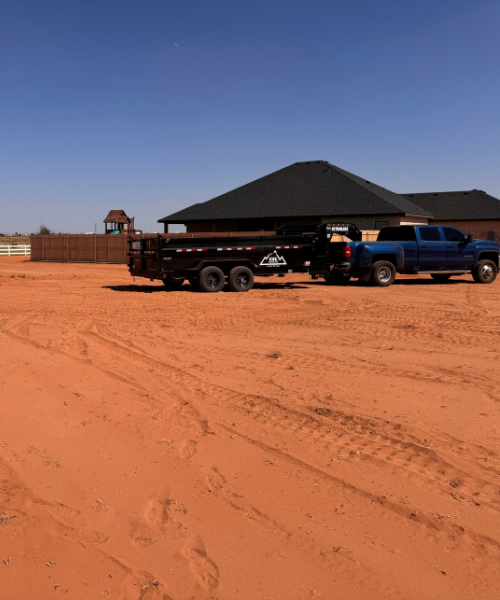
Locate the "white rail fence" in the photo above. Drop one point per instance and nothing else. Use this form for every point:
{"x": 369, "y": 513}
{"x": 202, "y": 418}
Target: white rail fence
{"x": 15, "y": 250}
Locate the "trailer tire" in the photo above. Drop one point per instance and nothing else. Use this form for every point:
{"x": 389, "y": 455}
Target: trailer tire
{"x": 440, "y": 278}
{"x": 383, "y": 273}
{"x": 240, "y": 279}
{"x": 485, "y": 271}
{"x": 336, "y": 277}
{"x": 173, "y": 285}
{"x": 211, "y": 280}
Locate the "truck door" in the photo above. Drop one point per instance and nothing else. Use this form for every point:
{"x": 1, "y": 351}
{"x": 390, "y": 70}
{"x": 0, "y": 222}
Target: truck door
{"x": 431, "y": 249}
{"x": 459, "y": 252}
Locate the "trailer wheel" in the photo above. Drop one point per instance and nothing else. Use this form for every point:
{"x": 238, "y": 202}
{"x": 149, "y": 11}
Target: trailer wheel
{"x": 485, "y": 272}
{"x": 336, "y": 277}
{"x": 383, "y": 273}
{"x": 440, "y": 278}
{"x": 211, "y": 280}
{"x": 240, "y": 279}
{"x": 173, "y": 285}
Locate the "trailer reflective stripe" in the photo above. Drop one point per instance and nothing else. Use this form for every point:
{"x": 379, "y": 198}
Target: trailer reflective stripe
{"x": 228, "y": 249}
{"x": 242, "y": 248}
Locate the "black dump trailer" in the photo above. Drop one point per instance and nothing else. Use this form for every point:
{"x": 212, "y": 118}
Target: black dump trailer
{"x": 207, "y": 262}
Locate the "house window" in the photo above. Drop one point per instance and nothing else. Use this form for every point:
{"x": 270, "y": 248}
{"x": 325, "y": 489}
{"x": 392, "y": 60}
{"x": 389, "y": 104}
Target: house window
{"x": 381, "y": 224}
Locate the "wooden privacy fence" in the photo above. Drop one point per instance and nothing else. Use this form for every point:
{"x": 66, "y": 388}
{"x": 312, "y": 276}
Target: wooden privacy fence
{"x": 80, "y": 248}
{"x": 102, "y": 248}
{"x": 15, "y": 250}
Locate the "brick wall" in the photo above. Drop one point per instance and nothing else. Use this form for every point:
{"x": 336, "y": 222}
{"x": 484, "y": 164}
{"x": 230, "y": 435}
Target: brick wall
{"x": 483, "y": 230}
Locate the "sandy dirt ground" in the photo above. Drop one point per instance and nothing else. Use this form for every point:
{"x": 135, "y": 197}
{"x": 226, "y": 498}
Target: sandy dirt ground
{"x": 298, "y": 441}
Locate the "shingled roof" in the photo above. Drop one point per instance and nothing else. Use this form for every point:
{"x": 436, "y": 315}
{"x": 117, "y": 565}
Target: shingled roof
{"x": 304, "y": 189}
{"x": 472, "y": 205}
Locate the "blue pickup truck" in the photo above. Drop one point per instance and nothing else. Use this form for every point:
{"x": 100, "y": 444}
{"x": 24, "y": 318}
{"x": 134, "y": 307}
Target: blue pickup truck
{"x": 435, "y": 250}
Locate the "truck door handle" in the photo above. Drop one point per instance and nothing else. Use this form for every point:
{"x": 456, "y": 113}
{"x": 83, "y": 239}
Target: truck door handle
{"x": 422, "y": 246}
{"x": 450, "y": 246}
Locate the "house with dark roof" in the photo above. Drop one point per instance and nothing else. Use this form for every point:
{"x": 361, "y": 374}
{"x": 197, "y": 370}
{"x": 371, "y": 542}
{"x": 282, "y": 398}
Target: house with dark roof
{"x": 472, "y": 211}
{"x": 310, "y": 192}
{"x": 314, "y": 192}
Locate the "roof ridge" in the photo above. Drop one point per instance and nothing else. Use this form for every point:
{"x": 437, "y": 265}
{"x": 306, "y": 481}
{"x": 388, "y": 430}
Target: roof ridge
{"x": 359, "y": 181}
{"x": 445, "y": 192}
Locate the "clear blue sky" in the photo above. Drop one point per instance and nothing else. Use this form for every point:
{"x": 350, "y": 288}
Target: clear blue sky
{"x": 153, "y": 105}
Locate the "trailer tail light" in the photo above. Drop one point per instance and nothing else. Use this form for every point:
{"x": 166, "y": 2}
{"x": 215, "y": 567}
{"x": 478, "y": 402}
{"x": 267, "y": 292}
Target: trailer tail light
{"x": 347, "y": 251}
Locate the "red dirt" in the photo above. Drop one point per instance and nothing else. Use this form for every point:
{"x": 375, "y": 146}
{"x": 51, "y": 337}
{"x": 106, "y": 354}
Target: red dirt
{"x": 295, "y": 442}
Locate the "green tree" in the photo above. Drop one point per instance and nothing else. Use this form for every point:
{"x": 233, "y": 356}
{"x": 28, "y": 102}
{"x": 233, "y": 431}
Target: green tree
{"x": 44, "y": 230}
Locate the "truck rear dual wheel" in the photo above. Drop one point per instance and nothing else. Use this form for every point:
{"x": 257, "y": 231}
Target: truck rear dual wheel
{"x": 240, "y": 279}
{"x": 485, "y": 272}
{"x": 383, "y": 273}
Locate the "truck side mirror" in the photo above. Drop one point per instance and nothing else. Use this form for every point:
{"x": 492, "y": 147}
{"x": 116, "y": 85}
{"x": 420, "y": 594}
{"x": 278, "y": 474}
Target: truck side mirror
{"x": 469, "y": 238}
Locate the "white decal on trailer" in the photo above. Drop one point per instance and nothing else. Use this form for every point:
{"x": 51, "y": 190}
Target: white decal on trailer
{"x": 273, "y": 260}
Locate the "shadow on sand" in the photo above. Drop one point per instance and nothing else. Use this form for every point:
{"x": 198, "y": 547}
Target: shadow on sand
{"x": 418, "y": 281}
{"x": 285, "y": 285}
{"x": 150, "y": 289}
{"x": 143, "y": 289}
{"x": 275, "y": 285}
{"x": 414, "y": 281}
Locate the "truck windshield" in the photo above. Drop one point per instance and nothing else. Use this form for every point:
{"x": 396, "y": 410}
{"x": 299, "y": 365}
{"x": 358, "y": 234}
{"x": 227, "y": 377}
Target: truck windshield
{"x": 405, "y": 233}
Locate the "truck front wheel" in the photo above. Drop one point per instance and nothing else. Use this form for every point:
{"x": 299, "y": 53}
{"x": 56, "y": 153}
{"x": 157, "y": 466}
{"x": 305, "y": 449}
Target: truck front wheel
{"x": 211, "y": 280}
{"x": 241, "y": 279}
{"x": 383, "y": 273}
{"x": 485, "y": 272}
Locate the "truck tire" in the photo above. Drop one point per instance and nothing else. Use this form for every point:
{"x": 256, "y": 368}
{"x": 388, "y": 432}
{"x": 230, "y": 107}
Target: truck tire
{"x": 211, "y": 280}
{"x": 240, "y": 279}
{"x": 173, "y": 285}
{"x": 440, "y": 278}
{"x": 337, "y": 278}
{"x": 383, "y": 273}
{"x": 485, "y": 271}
